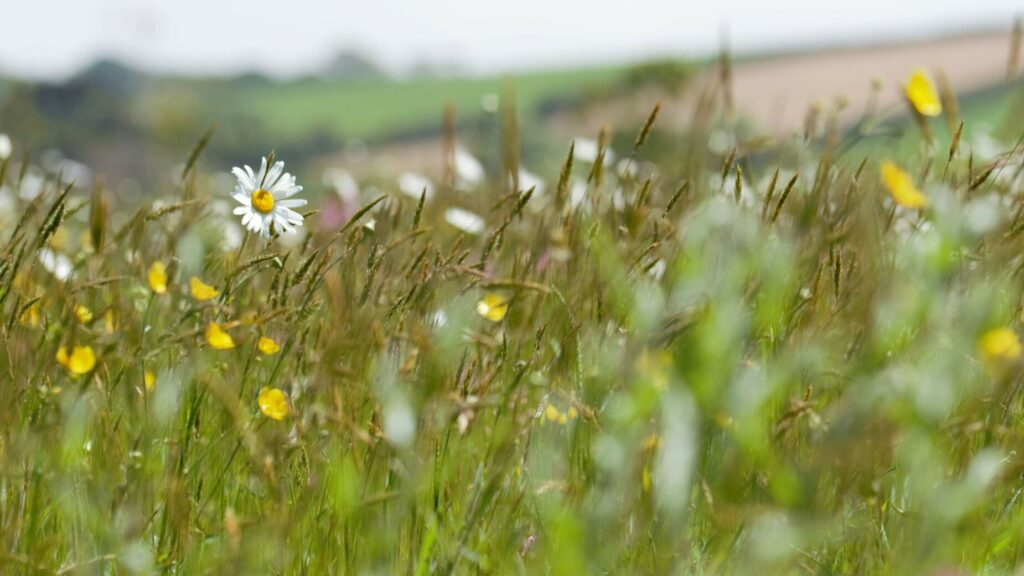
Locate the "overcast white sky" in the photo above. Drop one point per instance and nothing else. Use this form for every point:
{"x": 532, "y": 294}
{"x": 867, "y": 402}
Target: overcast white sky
{"x": 51, "y": 38}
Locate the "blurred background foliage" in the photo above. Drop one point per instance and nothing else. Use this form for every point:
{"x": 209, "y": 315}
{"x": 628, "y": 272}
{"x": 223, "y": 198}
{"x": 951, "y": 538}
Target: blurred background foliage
{"x": 128, "y": 122}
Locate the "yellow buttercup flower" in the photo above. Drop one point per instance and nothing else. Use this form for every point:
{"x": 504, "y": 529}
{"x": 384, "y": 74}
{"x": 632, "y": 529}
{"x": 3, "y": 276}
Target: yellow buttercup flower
{"x": 922, "y": 95}
{"x": 551, "y": 413}
{"x": 273, "y": 403}
{"x": 83, "y": 314}
{"x": 218, "y": 338}
{"x": 80, "y": 361}
{"x": 202, "y": 291}
{"x": 267, "y": 346}
{"x": 901, "y": 187}
{"x": 1000, "y": 344}
{"x": 149, "y": 379}
{"x": 158, "y": 277}
{"x": 493, "y": 307}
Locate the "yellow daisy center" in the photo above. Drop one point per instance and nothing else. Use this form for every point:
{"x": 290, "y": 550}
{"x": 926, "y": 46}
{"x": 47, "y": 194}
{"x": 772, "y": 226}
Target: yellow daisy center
{"x": 263, "y": 201}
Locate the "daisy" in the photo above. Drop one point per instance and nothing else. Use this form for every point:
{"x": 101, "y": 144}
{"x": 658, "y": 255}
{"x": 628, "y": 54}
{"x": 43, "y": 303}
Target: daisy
{"x": 587, "y": 150}
{"x": 414, "y": 185}
{"x": 57, "y": 264}
{"x": 529, "y": 180}
{"x": 464, "y": 220}
{"x": 265, "y": 199}
{"x": 468, "y": 170}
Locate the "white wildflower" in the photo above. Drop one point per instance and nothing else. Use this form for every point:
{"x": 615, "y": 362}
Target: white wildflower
{"x": 31, "y": 186}
{"x": 529, "y": 180}
{"x": 587, "y": 149}
{"x": 55, "y": 263}
{"x": 266, "y": 199}
{"x": 469, "y": 171}
{"x": 464, "y": 220}
{"x": 412, "y": 185}
{"x": 344, "y": 184}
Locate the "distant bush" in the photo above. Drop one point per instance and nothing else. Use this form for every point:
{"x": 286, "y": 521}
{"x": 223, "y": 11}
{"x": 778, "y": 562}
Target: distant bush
{"x": 668, "y": 74}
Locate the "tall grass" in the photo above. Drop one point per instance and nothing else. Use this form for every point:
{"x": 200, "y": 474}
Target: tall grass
{"x": 745, "y": 361}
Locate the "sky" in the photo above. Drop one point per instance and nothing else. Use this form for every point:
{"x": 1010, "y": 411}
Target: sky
{"x": 54, "y": 38}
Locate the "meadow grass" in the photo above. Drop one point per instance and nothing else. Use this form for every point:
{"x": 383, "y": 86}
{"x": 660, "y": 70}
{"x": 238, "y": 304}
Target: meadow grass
{"x": 696, "y": 361}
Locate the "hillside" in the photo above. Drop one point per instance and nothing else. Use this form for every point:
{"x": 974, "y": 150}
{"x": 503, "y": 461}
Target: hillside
{"x": 127, "y": 122}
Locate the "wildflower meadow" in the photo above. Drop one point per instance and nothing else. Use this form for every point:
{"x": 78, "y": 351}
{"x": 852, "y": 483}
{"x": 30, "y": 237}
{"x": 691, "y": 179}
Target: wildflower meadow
{"x": 657, "y": 352}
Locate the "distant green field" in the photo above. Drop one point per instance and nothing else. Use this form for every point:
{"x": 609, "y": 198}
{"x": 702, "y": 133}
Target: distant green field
{"x": 125, "y": 121}
{"x": 996, "y": 112}
{"x": 999, "y": 109}
{"x": 379, "y": 108}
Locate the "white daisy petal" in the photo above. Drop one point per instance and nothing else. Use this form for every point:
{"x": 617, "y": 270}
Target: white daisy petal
{"x": 262, "y": 176}
{"x": 295, "y": 203}
{"x": 57, "y": 264}
{"x": 284, "y": 183}
{"x": 244, "y": 180}
{"x": 293, "y": 221}
{"x": 273, "y": 175}
{"x": 291, "y": 190}
{"x": 465, "y": 220}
